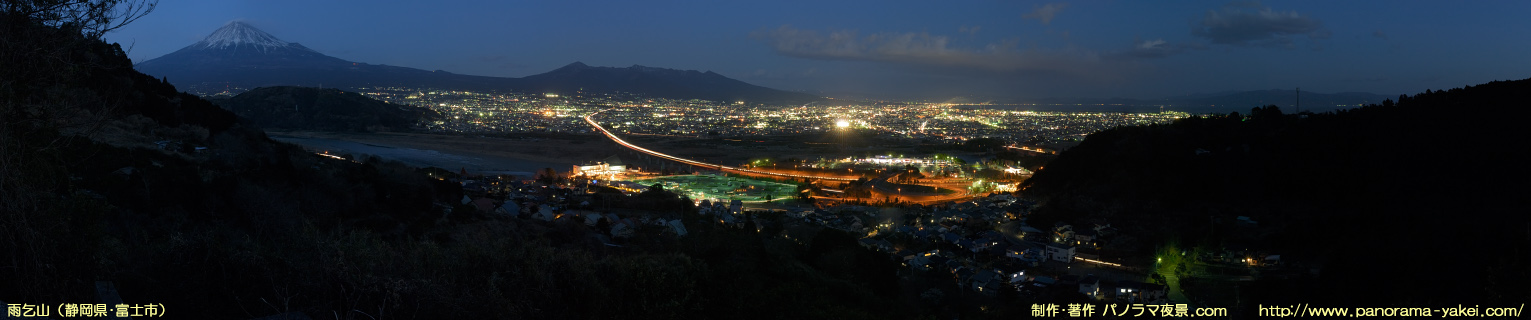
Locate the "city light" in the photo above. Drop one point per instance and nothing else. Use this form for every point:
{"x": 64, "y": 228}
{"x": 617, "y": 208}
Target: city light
{"x": 589, "y": 119}
{"x": 1098, "y": 262}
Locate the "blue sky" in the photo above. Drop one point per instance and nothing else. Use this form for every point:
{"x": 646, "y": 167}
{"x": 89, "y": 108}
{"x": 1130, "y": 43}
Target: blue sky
{"x": 928, "y": 49}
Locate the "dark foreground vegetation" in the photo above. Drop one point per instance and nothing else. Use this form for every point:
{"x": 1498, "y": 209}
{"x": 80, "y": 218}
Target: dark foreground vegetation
{"x": 323, "y": 109}
{"x": 1418, "y": 202}
{"x": 107, "y": 174}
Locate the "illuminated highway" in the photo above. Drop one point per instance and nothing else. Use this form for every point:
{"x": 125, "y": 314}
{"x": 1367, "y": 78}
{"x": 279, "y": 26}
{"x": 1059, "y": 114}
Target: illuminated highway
{"x": 1037, "y": 150}
{"x": 694, "y": 162}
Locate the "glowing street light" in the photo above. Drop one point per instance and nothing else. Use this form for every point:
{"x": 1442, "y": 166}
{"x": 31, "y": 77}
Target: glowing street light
{"x": 842, "y": 124}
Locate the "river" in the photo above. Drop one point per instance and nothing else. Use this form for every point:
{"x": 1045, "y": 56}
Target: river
{"x": 454, "y": 161}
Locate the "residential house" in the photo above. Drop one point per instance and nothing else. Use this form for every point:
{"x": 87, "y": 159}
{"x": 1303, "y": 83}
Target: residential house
{"x": 1060, "y": 252}
{"x": 624, "y": 228}
{"x": 509, "y": 208}
{"x": 1028, "y": 253}
{"x": 979, "y": 245}
{"x": 1085, "y": 237}
{"x": 677, "y": 227}
{"x": 484, "y": 205}
{"x": 920, "y": 262}
{"x": 1138, "y": 292}
{"x": 1105, "y": 231}
{"x": 1041, "y": 281}
{"x": 966, "y": 244}
{"x": 1018, "y": 277}
{"x": 925, "y": 234}
{"x": 876, "y": 244}
{"x": 853, "y": 222}
{"x": 1063, "y": 233}
{"x": 1029, "y": 233}
{"x": 904, "y": 254}
{"x": 544, "y": 213}
{"x": 1090, "y": 286}
{"x": 1000, "y": 249}
{"x": 987, "y": 282}
{"x": 955, "y": 266}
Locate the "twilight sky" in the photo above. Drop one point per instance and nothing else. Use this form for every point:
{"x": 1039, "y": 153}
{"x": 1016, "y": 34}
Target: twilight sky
{"x": 915, "y": 49}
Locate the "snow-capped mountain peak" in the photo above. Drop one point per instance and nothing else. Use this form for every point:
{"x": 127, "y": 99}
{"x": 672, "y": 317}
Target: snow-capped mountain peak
{"x": 238, "y": 33}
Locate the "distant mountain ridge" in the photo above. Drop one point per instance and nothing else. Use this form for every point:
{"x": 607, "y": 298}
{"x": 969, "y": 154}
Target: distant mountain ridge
{"x": 240, "y": 55}
{"x": 1241, "y": 101}
{"x": 657, "y": 82}
{"x": 1286, "y": 99}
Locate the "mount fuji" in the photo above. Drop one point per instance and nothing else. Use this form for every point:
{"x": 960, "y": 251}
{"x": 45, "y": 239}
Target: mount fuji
{"x": 239, "y": 55}
{"x": 237, "y": 34}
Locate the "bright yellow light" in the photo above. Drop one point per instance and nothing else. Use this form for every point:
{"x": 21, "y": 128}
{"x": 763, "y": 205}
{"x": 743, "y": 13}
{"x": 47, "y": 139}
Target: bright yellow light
{"x": 842, "y": 124}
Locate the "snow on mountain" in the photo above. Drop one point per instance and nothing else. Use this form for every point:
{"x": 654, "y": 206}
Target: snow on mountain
{"x": 238, "y": 55}
{"x": 238, "y": 33}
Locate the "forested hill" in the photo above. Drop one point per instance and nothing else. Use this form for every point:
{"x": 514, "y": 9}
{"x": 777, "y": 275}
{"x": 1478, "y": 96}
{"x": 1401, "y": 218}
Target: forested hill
{"x": 107, "y": 174}
{"x": 323, "y": 109}
{"x": 1425, "y": 187}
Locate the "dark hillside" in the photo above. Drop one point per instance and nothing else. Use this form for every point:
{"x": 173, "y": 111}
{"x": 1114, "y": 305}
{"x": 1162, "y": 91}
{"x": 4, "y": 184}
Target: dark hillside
{"x": 107, "y": 174}
{"x": 110, "y": 174}
{"x": 323, "y": 109}
{"x": 1430, "y": 186}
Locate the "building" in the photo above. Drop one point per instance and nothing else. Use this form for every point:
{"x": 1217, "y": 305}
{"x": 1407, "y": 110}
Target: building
{"x": 1060, "y": 252}
{"x": 987, "y": 282}
{"x": 1138, "y": 292}
{"x": 544, "y": 213}
{"x": 604, "y": 169}
{"x": 677, "y": 227}
{"x": 1090, "y": 286}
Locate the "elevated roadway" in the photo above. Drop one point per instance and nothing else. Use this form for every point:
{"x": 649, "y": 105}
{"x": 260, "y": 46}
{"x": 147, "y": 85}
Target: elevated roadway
{"x": 590, "y": 119}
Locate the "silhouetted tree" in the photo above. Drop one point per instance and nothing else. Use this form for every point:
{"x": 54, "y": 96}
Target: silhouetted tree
{"x": 547, "y": 176}
{"x": 92, "y": 18}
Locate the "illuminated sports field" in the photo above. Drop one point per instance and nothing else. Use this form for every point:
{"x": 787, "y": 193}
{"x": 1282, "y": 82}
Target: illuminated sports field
{"x": 706, "y": 186}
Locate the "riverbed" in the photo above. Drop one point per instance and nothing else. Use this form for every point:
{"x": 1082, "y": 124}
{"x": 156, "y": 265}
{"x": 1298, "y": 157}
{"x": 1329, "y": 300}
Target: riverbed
{"x": 453, "y": 160}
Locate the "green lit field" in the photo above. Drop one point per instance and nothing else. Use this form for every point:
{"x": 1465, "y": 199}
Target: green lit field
{"x": 707, "y": 186}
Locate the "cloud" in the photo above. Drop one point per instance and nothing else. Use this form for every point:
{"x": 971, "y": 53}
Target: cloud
{"x": 927, "y": 50}
{"x": 973, "y": 30}
{"x": 1157, "y": 48}
{"x": 1248, "y": 4}
{"x": 1045, "y": 13}
{"x": 777, "y": 74}
{"x": 1364, "y": 79}
{"x": 1250, "y": 24}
